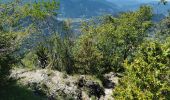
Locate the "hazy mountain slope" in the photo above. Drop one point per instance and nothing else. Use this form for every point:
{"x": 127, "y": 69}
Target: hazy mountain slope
{"x": 90, "y": 8}
{"x": 130, "y": 1}
{"x": 131, "y": 5}
{"x": 160, "y": 8}
{"x": 86, "y": 8}
{"x": 124, "y": 2}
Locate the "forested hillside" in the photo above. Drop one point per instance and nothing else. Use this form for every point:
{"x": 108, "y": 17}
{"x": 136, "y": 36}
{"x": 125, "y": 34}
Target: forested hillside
{"x": 108, "y": 57}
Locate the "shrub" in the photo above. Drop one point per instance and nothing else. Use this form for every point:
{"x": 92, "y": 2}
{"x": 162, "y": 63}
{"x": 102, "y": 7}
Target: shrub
{"x": 147, "y": 77}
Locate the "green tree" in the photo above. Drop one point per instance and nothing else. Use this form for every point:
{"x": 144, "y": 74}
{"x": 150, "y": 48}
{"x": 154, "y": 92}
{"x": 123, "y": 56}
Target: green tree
{"x": 86, "y": 55}
{"x": 164, "y": 2}
{"x": 55, "y": 50}
{"x": 162, "y": 29}
{"x": 105, "y": 44}
{"x": 13, "y": 16}
{"x": 147, "y": 77}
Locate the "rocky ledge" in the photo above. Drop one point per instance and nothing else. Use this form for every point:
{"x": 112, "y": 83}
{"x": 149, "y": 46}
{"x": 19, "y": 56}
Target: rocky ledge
{"x": 59, "y": 86}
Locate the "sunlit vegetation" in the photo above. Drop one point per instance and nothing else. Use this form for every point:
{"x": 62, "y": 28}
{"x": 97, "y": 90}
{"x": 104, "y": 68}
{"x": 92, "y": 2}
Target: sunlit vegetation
{"x": 129, "y": 44}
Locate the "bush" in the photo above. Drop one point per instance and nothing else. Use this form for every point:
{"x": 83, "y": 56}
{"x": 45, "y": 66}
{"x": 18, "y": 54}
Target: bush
{"x": 147, "y": 77}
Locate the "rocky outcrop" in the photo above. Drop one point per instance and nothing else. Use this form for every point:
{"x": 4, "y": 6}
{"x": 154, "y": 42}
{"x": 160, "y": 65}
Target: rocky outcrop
{"x": 59, "y": 86}
{"x": 91, "y": 87}
{"x": 53, "y": 84}
{"x": 110, "y": 80}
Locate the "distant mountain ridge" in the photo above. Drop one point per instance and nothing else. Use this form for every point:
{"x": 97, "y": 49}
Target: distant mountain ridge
{"x": 86, "y": 8}
{"x": 91, "y": 8}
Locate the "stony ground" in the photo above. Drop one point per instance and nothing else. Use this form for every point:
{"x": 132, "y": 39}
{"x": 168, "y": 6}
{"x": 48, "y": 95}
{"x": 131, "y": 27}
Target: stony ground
{"x": 56, "y": 85}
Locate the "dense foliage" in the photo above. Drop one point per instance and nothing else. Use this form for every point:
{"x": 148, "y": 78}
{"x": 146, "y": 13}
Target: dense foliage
{"x": 147, "y": 76}
{"x": 103, "y": 47}
{"x": 14, "y": 27}
{"x": 128, "y": 44}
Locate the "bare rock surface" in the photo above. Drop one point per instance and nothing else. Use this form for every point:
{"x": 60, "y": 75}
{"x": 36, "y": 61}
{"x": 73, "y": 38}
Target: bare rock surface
{"x": 59, "y": 86}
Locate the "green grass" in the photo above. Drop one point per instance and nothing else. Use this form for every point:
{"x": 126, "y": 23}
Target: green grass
{"x": 14, "y": 92}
